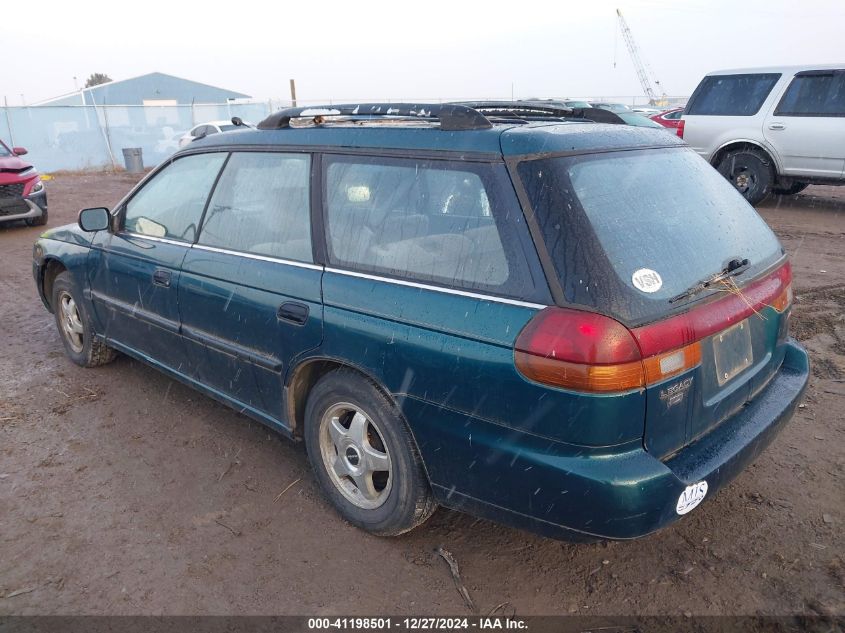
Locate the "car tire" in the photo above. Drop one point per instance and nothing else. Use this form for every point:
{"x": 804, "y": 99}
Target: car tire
{"x": 74, "y": 324}
{"x": 364, "y": 456}
{"x": 750, "y": 172}
{"x": 791, "y": 190}
{"x": 41, "y": 220}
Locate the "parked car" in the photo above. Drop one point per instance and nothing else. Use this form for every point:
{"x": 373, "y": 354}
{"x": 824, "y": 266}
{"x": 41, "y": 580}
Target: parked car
{"x": 206, "y": 129}
{"x": 646, "y": 110}
{"x": 771, "y": 130}
{"x": 638, "y": 120}
{"x": 613, "y": 107}
{"x": 670, "y": 119}
{"x": 569, "y": 103}
{"x": 575, "y": 328}
{"x": 22, "y": 194}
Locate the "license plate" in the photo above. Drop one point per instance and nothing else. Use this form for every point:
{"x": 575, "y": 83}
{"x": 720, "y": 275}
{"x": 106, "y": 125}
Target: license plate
{"x": 732, "y": 351}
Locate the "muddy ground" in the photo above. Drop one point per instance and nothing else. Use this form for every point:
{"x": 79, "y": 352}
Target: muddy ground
{"x": 123, "y": 492}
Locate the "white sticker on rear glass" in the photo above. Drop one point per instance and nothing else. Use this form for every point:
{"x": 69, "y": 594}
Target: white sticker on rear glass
{"x": 691, "y": 497}
{"x": 647, "y": 280}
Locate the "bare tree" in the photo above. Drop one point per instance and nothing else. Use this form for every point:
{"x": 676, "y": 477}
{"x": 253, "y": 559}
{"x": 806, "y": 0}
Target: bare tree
{"x": 96, "y": 79}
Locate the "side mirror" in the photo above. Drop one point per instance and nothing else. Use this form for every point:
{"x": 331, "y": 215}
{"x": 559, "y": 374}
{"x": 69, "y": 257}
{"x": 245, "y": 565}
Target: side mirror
{"x": 19, "y": 151}
{"x": 96, "y": 219}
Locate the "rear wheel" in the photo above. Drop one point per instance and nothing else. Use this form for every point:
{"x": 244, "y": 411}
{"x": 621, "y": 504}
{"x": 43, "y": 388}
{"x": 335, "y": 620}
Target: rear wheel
{"x": 74, "y": 325}
{"x": 750, "y": 171}
{"x": 791, "y": 190}
{"x": 364, "y": 455}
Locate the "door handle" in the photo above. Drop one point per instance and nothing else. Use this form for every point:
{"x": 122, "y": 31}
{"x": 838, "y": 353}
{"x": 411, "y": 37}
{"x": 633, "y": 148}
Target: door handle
{"x": 777, "y": 126}
{"x": 293, "y": 312}
{"x": 162, "y": 278}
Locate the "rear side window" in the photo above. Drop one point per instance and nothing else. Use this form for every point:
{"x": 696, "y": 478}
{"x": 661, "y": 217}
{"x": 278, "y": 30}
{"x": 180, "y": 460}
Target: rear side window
{"x": 611, "y": 220}
{"x": 430, "y": 221}
{"x": 171, "y": 204}
{"x": 731, "y": 95}
{"x": 261, "y": 206}
{"x": 814, "y": 94}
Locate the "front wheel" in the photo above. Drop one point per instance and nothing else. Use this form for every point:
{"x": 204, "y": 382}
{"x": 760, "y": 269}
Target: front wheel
{"x": 364, "y": 456}
{"x": 750, "y": 171}
{"x": 74, "y": 325}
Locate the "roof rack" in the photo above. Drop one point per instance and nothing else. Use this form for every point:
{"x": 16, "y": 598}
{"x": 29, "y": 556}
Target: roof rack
{"x": 541, "y": 110}
{"x": 452, "y": 117}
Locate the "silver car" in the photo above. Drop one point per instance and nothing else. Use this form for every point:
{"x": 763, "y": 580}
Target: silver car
{"x": 771, "y": 130}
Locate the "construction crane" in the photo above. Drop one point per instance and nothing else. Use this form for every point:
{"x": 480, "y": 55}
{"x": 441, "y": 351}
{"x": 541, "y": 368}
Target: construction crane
{"x": 643, "y": 71}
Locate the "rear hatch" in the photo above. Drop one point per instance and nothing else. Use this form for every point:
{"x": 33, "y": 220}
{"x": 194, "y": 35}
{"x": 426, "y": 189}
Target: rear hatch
{"x": 658, "y": 240}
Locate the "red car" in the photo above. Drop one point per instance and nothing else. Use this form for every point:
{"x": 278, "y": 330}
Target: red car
{"x": 670, "y": 118}
{"x": 22, "y": 194}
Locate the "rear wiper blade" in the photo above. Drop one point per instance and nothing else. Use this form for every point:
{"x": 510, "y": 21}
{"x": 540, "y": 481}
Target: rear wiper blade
{"x": 733, "y": 268}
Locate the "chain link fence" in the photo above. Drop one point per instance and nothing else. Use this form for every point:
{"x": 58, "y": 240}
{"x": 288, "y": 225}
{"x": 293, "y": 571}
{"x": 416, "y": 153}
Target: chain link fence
{"x": 93, "y": 137}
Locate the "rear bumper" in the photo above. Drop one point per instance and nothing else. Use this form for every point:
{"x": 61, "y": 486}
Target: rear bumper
{"x": 591, "y": 494}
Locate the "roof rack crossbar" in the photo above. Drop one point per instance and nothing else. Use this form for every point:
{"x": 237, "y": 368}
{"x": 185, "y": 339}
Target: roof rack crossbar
{"x": 537, "y": 111}
{"x": 452, "y": 117}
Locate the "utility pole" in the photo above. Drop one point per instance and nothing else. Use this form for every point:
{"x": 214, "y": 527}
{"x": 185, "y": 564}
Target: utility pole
{"x": 292, "y": 93}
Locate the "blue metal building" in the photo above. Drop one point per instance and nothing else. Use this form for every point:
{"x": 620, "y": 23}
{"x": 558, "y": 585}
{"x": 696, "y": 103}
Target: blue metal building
{"x": 149, "y": 89}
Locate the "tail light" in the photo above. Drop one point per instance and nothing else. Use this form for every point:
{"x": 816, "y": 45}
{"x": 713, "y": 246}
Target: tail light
{"x": 582, "y": 351}
{"x": 680, "y": 128}
{"x": 579, "y": 350}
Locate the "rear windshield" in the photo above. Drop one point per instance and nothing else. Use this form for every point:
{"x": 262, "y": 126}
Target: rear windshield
{"x": 629, "y": 230}
{"x": 732, "y": 95}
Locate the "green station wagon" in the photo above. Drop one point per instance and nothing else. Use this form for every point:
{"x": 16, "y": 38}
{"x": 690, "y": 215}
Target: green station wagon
{"x": 574, "y": 328}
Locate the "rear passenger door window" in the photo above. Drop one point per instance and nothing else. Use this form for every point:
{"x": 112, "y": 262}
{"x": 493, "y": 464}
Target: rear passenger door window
{"x": 428, "y": 221}
{"x": 261, "y": 206}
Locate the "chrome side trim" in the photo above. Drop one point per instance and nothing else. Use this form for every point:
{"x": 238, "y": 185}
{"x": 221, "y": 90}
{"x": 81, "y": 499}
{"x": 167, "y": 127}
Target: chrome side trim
{"x": 448, "y": 291}
{"x": 262, "y": 258}
{"x": 163, "y": 240}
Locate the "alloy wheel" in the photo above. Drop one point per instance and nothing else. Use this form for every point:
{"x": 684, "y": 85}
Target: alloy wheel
{"x": 355, "y": 456}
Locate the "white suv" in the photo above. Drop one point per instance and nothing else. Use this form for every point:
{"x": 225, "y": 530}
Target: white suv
{"x": 771, "y": 130}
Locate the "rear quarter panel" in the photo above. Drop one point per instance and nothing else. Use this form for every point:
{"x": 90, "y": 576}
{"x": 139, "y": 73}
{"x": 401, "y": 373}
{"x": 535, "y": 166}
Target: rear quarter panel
{"x": 456, "y": 352}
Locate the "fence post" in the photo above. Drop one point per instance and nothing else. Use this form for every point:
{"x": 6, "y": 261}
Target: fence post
{"x": 105, "y": 132}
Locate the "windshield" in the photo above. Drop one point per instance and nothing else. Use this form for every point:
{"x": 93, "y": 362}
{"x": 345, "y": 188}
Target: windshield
{"x": 610, "y": 220}
{"x": 4, "y": 151}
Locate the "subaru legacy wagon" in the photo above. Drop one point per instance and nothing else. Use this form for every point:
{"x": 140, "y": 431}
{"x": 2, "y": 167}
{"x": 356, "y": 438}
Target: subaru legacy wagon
{"x": 574, "y": 328}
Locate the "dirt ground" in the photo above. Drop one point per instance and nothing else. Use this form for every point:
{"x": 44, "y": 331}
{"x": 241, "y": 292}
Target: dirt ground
{"x": 123, "y": 492}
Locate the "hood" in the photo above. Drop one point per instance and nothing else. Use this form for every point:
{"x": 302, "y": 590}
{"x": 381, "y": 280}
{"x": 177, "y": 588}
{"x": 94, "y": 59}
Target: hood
{"x": 13, "y": 164}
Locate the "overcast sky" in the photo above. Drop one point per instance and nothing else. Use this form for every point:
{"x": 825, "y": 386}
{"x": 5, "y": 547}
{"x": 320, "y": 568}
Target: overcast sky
{"x": 392, "y": 50}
